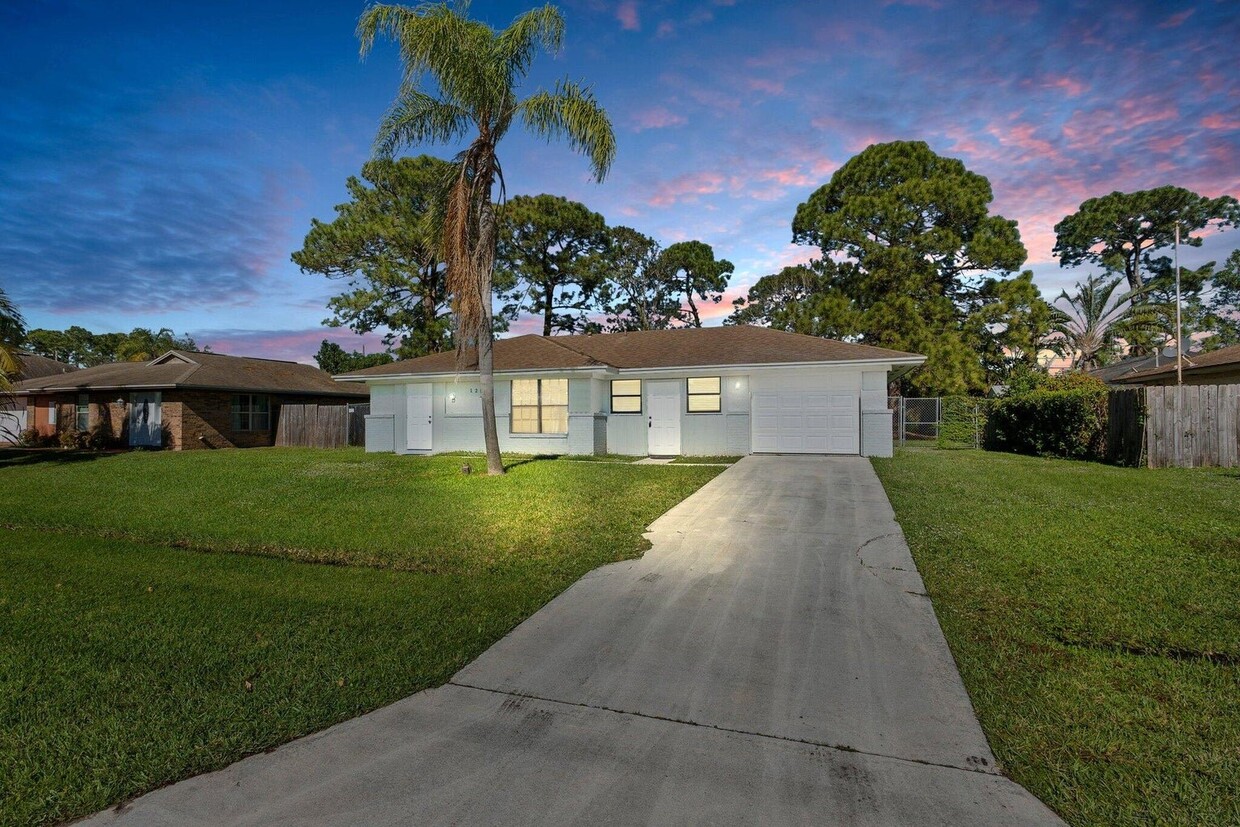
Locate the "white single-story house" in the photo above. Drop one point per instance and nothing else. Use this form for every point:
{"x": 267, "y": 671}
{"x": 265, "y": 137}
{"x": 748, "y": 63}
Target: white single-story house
{"x": 694, "y": 391}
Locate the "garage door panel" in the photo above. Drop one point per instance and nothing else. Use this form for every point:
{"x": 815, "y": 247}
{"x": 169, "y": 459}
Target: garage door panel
{"x": 809, "y": 422}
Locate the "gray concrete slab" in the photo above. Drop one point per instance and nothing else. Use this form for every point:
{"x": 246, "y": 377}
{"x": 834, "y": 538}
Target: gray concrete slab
{"x": 462, "y": 756}
{"x": 772, "y": 659}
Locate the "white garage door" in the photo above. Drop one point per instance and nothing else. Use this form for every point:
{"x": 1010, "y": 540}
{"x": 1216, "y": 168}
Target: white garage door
{"x": 805, "y": 422}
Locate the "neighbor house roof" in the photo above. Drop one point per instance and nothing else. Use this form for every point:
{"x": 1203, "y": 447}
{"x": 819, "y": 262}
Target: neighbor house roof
{"x": 652, "y": 350}
{"x": 36, "y": 367}
{"x": 184, "y": 369}
{"x": 1119, "y": 371}
{"x": 1215, "y": 361}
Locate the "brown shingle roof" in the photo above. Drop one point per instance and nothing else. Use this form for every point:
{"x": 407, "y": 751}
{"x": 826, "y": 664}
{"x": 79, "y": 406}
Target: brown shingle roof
{"x": 652, "y": 349}
{"x": 1193, "y": 362}
{"x": 36, "y": 367}
{"x": 190, "y": 369}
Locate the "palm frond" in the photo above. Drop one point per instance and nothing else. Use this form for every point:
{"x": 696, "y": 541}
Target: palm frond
{"x": 417, "y": 118}
{"x": 572, "y": 111}
{"x": 438, "y": 40}
{"x": 517, "y": 45}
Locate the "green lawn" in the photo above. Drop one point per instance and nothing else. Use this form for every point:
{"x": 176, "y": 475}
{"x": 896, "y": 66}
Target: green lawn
{"x": 1094, "y": 613}
{"x": 133, "y": 655}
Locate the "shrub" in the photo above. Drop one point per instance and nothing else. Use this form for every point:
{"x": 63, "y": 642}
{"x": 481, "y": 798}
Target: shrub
{"x": 962, "y": 421}
{"x": 99, "y": 438}
{"x": 72, "y": 438}
{"x": 1056, "y": 423}
{"x": 31, "y": 438}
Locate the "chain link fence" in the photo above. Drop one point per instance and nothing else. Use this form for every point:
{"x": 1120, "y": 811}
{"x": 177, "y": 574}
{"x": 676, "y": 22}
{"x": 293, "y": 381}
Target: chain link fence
{"x": 946, "y": 421}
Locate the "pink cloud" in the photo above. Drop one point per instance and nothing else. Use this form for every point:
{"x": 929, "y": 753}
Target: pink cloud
{"x": 687, "y": 187}
{"x": 771, "y": 87}
{"x": 666, "y": 29}
{"x": 1070, "y": 86}
{"x": 287, "y": 345}
{"x": 657, "y": 117}
{"x": 626, "y": 13}
{"x": 1176, "y": 20}
{"x": 1216, "y": 120}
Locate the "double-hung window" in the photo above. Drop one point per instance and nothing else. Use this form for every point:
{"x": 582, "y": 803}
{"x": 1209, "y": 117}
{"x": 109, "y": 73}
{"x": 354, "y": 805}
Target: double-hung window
{"x": 83, "y": 412}
{"x": 251, "y": 412}
{"x": 539, "y": 406}
{"x": 626, "y": 396}
{"x": 704, "y": 394}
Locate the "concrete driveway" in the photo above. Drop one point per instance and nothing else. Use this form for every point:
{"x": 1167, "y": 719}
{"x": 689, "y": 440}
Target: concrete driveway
{"x": 772, "y": 659}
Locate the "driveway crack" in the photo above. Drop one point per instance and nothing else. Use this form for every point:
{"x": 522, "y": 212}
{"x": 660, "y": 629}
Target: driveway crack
{"x": 982, "y": 769}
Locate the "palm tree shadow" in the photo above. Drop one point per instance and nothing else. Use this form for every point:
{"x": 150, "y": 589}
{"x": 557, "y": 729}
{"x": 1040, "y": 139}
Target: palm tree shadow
{"x": 508, "y": 466}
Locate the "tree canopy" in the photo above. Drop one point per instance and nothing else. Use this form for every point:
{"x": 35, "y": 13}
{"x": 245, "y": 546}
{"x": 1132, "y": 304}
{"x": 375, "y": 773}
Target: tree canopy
{"x": 692, "y": 267}
{"x": 334, "y": 359}
{"x": 912, "y": 260}
{"x": 548, "y": 246}
{"x": 78, "y": 346}
{"x": 383, "y": 245}
{"x": 1120, "y": 231}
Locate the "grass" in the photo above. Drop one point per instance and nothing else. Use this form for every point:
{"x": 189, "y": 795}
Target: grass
{"x": 133, "y": 654}
{"x": 1093, "y": 614}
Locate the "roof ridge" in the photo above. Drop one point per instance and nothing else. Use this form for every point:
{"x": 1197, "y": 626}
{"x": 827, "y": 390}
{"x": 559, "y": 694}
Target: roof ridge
{"x": 572, "y": 349}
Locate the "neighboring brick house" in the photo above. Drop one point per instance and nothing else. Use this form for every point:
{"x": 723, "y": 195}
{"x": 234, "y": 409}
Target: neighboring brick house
{"x": 182, "y": 400}
{"x": 13, "y": 414}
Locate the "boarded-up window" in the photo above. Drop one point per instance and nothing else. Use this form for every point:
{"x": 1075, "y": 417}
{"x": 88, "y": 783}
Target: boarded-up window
{"x": 251, "y": 412}
{"x": 539, "y": 406}
{"x": 626, "y": 396}
{"x": 704, "y": 394}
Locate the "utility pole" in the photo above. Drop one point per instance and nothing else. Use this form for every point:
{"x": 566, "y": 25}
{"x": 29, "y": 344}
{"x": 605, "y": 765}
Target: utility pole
{"x": 1179, "y": 325}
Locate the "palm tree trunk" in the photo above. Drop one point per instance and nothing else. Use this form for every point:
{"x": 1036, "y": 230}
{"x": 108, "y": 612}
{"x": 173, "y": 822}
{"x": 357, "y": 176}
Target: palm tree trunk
{"x": 486, "y": 381}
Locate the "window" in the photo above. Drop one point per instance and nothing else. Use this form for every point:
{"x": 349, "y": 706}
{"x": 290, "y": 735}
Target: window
{"x": 51, "y": 412}
{"x": 704, "y": 394}
{"x": 251, "y": 412}
{"x": 539, "y": 406}
{"x": 83, "y": 412}
{"x": 626, "y": 396}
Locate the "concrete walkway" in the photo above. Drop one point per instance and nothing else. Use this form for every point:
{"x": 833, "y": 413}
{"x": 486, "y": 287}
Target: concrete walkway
{"x": 772, "y": 659}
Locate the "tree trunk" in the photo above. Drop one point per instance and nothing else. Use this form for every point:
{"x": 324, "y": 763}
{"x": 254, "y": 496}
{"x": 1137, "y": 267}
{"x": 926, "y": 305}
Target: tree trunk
{"x": 697, "y": 320}
{"x": 548, "y": 297}
{"x": 485, "y": 262}
{"x": 486, "y": 380}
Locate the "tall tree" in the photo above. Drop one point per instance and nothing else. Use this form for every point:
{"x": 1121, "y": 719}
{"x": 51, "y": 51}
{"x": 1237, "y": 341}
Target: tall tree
{"x": 12, "y": 332}
{"x": 384, "y": 246}
{"x": 1091, "y": 322}
{"x": 800, "y": 299}
{"x": 334, "y": 359}
{"x": 634, "y": 292}
{"x": 1120, "y": 231}
{"x": 693, "y": 268}
{"x": 475, "y": 72}
{"x": 1224, "y": 305}
{"x": 916, "y": 242}
{"x": 78, "y": 346}
{"x": 547, "y": 244}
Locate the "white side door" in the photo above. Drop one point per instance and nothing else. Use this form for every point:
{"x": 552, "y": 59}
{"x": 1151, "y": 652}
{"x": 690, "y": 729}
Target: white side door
{"x": 418, "y": 417}
{"x": 145, "y": 419}
{"x": 663, "y": 399}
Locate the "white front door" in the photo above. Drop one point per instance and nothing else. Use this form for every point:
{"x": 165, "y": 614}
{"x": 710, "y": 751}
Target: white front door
{"x": 663, "y": 399}
{"x": 145, "y": 419}
{"x": 418, "y": 418}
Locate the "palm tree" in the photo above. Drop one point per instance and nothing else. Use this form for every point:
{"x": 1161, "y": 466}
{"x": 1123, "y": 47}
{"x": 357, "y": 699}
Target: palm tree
{"x": 12, "y": 331}
{"x": 1095, "y": 320}
{"x": 476, "y": 71}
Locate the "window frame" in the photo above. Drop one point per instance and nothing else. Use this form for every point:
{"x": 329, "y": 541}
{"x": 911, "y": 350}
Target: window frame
{"x": 539, "y": 406}
{"x": 639, "y": 396}
{"x": 81, "y": 412}
{"x": 690, "y": 394}
{"x": 251, "y": 417}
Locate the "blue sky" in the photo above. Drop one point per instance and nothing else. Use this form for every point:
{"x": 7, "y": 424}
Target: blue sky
{"x": 159, "y": 162}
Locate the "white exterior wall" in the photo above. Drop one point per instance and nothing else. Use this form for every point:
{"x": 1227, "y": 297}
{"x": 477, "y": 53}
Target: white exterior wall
{"x": 457, "y": 418}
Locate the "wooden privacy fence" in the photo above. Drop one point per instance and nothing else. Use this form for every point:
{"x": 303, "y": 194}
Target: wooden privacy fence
{"x": 321, "y": 426}
{"x": 1192, "y": 425}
